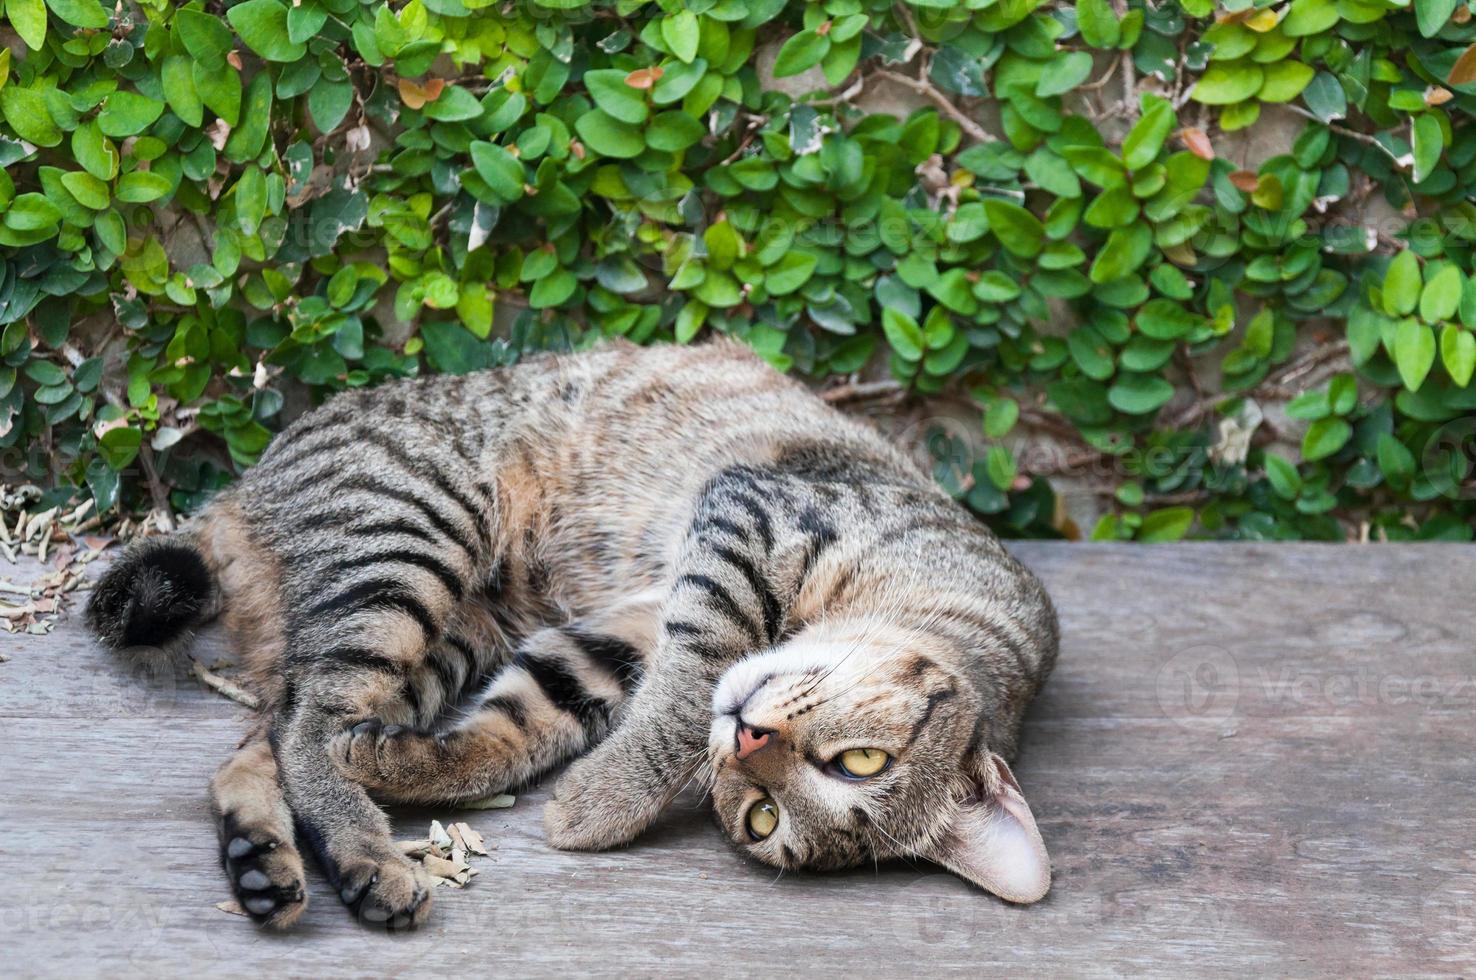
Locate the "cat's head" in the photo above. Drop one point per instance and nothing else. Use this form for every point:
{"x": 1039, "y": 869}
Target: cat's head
{"x": 828, "y": 753}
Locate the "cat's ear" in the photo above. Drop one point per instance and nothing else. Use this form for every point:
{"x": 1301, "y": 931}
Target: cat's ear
{"x": 993, "y": 841}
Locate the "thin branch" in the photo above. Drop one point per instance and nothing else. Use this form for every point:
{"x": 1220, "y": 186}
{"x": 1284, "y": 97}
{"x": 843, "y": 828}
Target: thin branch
{"x": 859, "y": 390}
{"x": 1340, "y": 130}
{"x": 224, "y": 686}
{"x": 926, "y": 89}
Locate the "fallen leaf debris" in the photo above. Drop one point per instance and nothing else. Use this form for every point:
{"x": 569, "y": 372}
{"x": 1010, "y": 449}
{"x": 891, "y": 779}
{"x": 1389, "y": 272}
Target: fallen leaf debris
{"x": 444, "y": 852}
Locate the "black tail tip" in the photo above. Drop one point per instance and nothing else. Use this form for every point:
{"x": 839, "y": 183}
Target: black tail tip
{"x": 152, "y": 595}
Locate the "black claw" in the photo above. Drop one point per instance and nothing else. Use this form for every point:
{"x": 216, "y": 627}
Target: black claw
{"x": 366, "y": 727}
{"x": 390, "y": 731}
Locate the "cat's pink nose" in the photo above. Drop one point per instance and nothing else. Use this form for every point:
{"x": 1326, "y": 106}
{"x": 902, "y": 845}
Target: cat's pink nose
{"x": 751, "y": 739}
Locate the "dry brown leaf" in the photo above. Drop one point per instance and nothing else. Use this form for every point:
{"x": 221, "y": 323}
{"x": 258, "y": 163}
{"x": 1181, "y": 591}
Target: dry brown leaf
{"x": 1245, "y": 181}
{"x": 474, "y": 842}
{"x": 1198, "y": 143}
{"x": 1463, "y": 72}
{"x": 441, "y": 867}
{"x": 1437, "y": 95}
{"x": 644, "y": 78}
{"x": 1263, "y": 20}
{"x": 232, "y": 907}
{"x": 499, "y": 802}
{"x": 416, "y": 94}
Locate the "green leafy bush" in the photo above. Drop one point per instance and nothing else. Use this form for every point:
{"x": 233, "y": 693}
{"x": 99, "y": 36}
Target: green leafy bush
{"x": 205, "y": 208}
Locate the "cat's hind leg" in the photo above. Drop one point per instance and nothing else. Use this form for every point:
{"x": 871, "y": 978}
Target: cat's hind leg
{"x": 258, "y": 848}
{"x": 557, "y": 697}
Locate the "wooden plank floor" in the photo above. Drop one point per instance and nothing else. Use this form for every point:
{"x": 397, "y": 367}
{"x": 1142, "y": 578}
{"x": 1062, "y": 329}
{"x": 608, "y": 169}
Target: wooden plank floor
{"x": 1252, "y": 759}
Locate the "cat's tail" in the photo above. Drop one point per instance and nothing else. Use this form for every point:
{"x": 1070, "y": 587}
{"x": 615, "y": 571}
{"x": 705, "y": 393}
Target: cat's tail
{"x": 154, "y": 596}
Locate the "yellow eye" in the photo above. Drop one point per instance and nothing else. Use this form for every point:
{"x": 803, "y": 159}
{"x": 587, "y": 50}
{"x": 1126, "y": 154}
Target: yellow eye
{"x": 860, "y": 763}
{"x": 763, "y": 817}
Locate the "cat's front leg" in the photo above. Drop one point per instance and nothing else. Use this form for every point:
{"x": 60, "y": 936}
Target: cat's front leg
{"x": 727, "y": 601}
{"x": 613, "y": 794}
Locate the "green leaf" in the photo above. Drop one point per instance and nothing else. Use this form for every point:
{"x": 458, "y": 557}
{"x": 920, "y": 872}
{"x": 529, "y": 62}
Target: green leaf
{"x": 1324, "y": 95}
{"x": 1141, "y": 145}
{"x": 1441, "y": 295}
{"x": 220, "y": 91}
{"x": 1064, "y": 74}
{"x": 608, "y": 136}
{"x": 790, "y": 273}
{"x": 1000, "y": 467}
{"x": 1325, "y": 437}
{"x": 502, "y": 171}
{"x": 28, "y": 17}
{"x": 1396, "y": 462}
{"x": 1282, "y": 473}
{"x": 1432, "y": 15}
{"x": 141, "y": 187}
{"x": 455, "y": 104}
{"x": 204, "y": 37}
{"x": 119, "y": 446}
{"x": 1017, "y": 229}
{"x": 1098, "y": 24}
{"x": 1429, "y": 143}
{"x": 1164, "y": 319}
{"x": 87, "y": 189}
{"x": 1139, "y": 394}
{"x": 87, "y": 14}
{"x": 1414, "y": 352}
{"x": 31, "y": 212}
{"x": 1402, "y": 284}
{"x": 1458, "y": 353}
{"x": 682, "y": 34}
{"x": 128, "y": 114}
{"x": 802, "y": 51}
{"x": 552, "y": 290}
{"x": 247, "y": 139}
{"x": 1309, "y": 17}
{"x": 177, "y": 75}
{"x": 674, "y": 131}
{"x": 1000, "y": 417}
{"x": 608, "y": 89}
{"x": 329, "y": 102}
{"x": 1166, "y": 524}
{"x": 903, "y": 333}
{"x": 25, "y": 110}
{"x": 1284, "y": 81}
{"x": 262, "y": 25}
{"x": 1226, "y": 84}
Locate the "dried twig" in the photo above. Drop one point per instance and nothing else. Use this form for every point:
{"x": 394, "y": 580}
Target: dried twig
{"x": 224, "y": 686}
{"x": 926, "y": 89}
{"x": 1340, "y": 130}
{"x": 858, "y": 390}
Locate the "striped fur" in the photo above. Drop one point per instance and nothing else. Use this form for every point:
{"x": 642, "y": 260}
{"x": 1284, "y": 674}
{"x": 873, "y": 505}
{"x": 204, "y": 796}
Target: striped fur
{"x": 445, "y": 587}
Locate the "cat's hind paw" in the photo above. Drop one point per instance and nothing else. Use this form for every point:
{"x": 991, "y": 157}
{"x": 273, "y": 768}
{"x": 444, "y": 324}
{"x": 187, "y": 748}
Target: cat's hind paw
{"x": 266, "y": 873}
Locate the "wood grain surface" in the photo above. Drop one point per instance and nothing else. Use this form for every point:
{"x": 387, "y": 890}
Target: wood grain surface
{"x": 1251, "y": 760}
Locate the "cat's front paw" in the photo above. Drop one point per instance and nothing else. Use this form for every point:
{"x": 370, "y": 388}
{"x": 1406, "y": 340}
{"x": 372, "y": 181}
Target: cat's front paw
{"x": 383, "y": 758}
{"x": 593, "y": 810}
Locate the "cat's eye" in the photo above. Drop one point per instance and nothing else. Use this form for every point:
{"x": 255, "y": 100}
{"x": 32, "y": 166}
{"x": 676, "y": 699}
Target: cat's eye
{"x": 861, "y": 763}
{"x": 762, "y": 818}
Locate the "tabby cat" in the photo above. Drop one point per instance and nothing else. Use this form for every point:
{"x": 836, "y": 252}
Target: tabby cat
{"x": 674, "y": 562}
